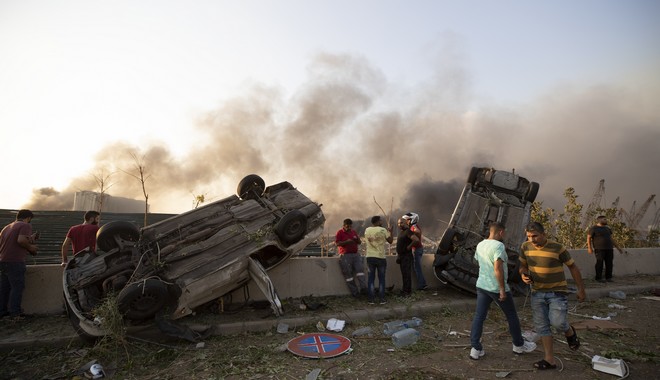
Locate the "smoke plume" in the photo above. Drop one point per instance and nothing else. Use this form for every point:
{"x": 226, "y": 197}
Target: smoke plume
{"x": 348, "y": 137}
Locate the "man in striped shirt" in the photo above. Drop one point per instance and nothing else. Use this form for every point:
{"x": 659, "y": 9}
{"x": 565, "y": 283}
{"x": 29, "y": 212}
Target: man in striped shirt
{"x": 542, "y": 265}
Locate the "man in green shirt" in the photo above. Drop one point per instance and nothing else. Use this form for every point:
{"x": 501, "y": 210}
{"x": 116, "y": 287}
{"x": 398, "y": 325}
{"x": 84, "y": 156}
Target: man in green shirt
{"x": 492, "y": 287}
{"x": 377, "y": 236}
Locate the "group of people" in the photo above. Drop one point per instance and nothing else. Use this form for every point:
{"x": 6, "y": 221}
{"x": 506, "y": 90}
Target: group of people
{"x": 17, "y": 241}
{"x": 409, "y": 250}
{"x": 541, "y": 266}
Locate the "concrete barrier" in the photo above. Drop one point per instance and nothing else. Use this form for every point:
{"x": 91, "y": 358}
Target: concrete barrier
{"x": 320, "y": 276}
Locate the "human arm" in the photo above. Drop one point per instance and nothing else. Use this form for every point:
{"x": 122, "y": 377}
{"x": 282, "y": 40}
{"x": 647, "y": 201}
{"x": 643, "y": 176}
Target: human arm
{"x": 65, "y": 249}
{"x": 589, "y": 243}
{"x": 414, "y": 240}
{"x": 577, "y": 276}
{"x": 389, "y": 238}
{"x": 524, "y": 273}
{"x": 499, "y": 276}
{"x": 24, "y": 241}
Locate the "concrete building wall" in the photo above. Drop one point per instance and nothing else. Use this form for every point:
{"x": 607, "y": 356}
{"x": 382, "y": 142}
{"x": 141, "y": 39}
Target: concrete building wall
{"x": 319, "y": 276}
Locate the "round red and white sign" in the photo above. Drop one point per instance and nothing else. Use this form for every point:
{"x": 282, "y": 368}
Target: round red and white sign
{"x": 319, "y": 345}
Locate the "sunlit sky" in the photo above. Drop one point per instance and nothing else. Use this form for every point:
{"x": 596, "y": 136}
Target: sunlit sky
{"x": 77, "y": 75}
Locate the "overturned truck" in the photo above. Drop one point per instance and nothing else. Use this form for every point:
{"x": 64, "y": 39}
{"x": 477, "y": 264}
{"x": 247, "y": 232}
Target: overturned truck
{"x": 173, "y": 266}
{"x": 489, "y": 195}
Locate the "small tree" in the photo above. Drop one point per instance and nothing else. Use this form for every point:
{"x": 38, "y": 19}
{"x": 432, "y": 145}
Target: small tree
{"x": 141, "y": 176}
{"x": 102, "y": 183}
{"x": 198, "y": 199}
{"x": 568, "y": 224}
{"x": 543, "y": 216}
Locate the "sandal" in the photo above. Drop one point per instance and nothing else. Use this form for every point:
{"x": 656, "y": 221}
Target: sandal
{"x": 543, "y": 365}
{"x": 573, "y": 340}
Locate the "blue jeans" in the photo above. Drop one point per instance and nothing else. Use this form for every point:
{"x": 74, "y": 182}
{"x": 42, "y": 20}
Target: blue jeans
{"x": 379, "y": 265}
{"x": 421, "y": 282}
{"x": 549, "y": 309}
{"x": 484, "y": 299}
{"x": 12, "y": 283}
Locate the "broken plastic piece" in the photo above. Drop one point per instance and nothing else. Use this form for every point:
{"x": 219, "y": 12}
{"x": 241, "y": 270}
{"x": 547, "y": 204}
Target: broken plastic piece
{"x": 335, "y": 324}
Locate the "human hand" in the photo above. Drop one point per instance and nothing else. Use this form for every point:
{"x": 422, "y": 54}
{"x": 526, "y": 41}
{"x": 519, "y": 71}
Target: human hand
{"x": 581, "y": 295}
{"x": 63, "y": 264}
{"x": 502, "y": 295}
{"x": 526, "y": 278}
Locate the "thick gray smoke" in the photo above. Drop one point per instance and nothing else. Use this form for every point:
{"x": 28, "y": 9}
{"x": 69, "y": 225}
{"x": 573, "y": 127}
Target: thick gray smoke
{"x": 348, "y": 136}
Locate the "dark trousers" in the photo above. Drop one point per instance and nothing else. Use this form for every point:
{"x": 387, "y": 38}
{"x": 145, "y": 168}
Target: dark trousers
{"x": 406, "y": 263}
{"x": 376, "y": 266}
{"x": 12, "y": 283}
{"x": 352, "y": 267}
{"x": 604, "y": 256}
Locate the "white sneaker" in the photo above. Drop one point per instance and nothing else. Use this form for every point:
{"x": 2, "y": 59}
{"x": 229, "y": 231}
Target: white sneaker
{"x": 476, "y": 354}
{"x": 527, "y": 347}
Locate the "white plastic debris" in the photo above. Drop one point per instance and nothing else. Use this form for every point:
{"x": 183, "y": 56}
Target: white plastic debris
{"x": 335, "y": 324}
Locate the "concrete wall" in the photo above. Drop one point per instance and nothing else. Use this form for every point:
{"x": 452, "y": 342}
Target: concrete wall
{"x": 320, "y": 276}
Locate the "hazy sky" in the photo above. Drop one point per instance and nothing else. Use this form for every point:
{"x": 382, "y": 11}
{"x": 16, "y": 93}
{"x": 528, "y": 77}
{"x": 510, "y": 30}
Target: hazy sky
{"x": 348, "y": 100}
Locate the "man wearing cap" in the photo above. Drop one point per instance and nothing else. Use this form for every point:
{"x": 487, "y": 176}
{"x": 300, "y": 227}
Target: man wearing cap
{"x": 16, "y": 242}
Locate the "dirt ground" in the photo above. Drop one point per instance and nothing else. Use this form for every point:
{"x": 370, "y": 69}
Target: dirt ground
{"x": 441, "y": 352}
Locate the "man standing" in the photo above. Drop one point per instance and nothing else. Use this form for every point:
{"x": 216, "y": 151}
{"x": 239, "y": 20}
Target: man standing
{"x": 601, "y": 242}
{"x": 376, "y": 236}
{"x": 418, "y": 248}
{"x": 82, "y": 237}
{"x": 16, "y": 242}
{"x": 541, "y": 264}
{"x": 492, "y": 286}
{"x": 350, "y": 261}
{"x": 404, "y": 244}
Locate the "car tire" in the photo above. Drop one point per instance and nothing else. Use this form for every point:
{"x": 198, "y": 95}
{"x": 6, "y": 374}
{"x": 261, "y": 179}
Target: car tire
{"x": 472, "y": 177}
{"x": 142, "y": 300}
{"x": 447, "y": 242}
{"x": 292, "y": 227}
{"x": 106, "y": 236}
{"x": 251, "y": 187}
{"x": 532, "y": 192}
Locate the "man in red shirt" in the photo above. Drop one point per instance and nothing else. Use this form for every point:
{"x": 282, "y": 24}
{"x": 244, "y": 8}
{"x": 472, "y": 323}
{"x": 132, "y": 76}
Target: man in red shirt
{"x": 16, "y": 242}
{"x": 82, "y": 237}
{"x": 350, "y": 261}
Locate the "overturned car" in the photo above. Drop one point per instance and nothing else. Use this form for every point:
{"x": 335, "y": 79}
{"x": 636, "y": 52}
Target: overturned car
{"x": 488, "y": 196}
{"x": 180, "y": 263}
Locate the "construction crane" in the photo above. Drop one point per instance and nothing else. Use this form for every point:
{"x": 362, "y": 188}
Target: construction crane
{"x": 656, "y": 220}
{"x": 590, "y": 212}
{"x": 634, "y": 217}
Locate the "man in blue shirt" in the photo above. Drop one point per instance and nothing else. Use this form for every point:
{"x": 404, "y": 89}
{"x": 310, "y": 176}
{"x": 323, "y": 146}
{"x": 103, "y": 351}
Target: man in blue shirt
{"x": 492, "y": 287}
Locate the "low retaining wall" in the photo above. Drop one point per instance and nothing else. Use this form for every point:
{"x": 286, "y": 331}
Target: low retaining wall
{"x": 320, "y": 276}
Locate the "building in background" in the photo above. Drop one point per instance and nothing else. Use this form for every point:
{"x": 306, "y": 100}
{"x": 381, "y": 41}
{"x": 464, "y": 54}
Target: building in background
{"x": 90, "y": 200}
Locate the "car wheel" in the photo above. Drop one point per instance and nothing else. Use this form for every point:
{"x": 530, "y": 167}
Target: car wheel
{"x": 532, "y": 192}
{"x": 472, "y": 177}
{"x": 142, "y": 300}
{"x": 292, "y": 227}
{"x": 113, "y": 234}
{"x": 447, "y": 242}
{"x": 251, "y": 187}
